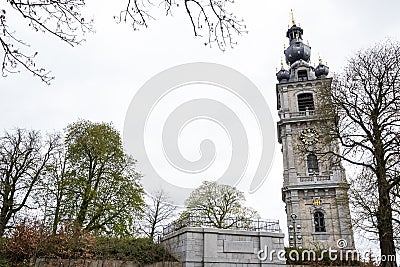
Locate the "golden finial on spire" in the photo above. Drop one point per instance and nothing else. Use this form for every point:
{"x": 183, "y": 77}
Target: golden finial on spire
{"x": 292, "y": 15}
{"x": 319, "y": 58}
{"x": 281, "y": 63}
{"x": 284, "y": 46}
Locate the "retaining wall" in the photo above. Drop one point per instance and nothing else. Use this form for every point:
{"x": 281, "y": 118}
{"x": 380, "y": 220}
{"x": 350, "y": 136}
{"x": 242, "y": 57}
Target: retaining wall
{"x": 206, "y": 247}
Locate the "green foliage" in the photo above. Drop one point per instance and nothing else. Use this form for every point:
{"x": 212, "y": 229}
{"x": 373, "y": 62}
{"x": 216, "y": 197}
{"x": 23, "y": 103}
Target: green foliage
{"x": 4, "y": 261}
{"x": 143, "y": 250}
{"x": 222, "y": 206}
{"x": 103, "y": 193}
{"x": 88, "y": 179}
{"x": 85, "y": 188}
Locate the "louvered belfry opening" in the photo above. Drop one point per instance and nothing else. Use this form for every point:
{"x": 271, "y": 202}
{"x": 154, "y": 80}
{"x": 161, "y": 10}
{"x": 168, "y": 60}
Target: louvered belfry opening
{"x": 305, "y": 102}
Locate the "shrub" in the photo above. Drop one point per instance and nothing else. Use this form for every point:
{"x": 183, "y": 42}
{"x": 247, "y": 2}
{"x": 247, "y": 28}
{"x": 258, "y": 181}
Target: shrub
{"x": 31, "y": 240}
{"x": 142, "y": 250}
{"x": 24, "y": 242}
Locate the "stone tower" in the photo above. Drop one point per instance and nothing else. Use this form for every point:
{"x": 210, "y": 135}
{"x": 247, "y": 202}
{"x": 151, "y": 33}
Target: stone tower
{"x": 314, "y": 187}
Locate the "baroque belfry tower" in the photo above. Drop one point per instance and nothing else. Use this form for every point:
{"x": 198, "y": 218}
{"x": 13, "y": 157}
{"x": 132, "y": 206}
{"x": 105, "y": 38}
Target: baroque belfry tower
{"x": 314, "y": 189}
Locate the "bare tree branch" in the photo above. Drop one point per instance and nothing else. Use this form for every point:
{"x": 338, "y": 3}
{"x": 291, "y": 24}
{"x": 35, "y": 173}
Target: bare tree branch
{"x": 210, "y": 19}
{"x": 60, "y": 18}
{"x": 64, "y": 19}
{"x": 158, "y": 212}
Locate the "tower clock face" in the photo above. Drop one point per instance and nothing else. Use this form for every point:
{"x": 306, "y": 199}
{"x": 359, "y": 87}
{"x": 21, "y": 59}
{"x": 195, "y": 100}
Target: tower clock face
{"x": 309, "y": 136}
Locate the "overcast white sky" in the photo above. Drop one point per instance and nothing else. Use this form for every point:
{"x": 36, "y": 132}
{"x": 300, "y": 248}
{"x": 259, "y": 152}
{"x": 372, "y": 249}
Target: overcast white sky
{"x": 97, "y": 80}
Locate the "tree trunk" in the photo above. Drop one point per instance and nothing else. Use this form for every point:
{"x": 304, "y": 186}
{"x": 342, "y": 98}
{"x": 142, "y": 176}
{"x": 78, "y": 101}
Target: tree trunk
{"x": 2, "y": 226}
{"x": 56, "y": 217}
{"x": 80, "y": 218}
{"x": 385, "y": 228}
{"x": 86, "y": 199}
{"x": 385, "y": 221}
{"x": 3, "y": 218}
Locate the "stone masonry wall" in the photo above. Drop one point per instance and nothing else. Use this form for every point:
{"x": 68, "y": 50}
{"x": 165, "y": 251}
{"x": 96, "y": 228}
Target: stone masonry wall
{"x": 198, "y": 247}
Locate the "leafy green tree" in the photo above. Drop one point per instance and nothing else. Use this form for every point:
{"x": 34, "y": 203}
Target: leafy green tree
{"x": 103, "y": 194}
{"x": 218, "y": 205}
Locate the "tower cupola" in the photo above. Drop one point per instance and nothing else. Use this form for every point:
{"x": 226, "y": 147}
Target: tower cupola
{"x": 298, "y": 56}
{"x": 297, "y": 50}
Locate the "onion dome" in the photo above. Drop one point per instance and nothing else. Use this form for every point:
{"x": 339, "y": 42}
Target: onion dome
{"x": 321, "y": 70}
{"x": 297, "y": 49}
{"x": 282, "y": 75}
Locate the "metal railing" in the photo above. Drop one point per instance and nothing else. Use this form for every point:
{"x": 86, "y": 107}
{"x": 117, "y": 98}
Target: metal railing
{"x": 257, "y": 225}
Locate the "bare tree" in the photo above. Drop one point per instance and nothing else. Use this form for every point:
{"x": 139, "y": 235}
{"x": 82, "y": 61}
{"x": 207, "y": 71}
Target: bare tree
{"x": 23, "y": 158}
{"x": 364, "y": 102}
{"x": 159, "y": 211}
{"x": 395, "y": 194}
{"x": 64, "y": 20}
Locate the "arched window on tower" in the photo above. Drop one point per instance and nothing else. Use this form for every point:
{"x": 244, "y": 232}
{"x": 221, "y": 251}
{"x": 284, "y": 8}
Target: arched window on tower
{"x": 305, "y": 102}
{"x": 312, "y": 164}
{"x": 319, "y": 221}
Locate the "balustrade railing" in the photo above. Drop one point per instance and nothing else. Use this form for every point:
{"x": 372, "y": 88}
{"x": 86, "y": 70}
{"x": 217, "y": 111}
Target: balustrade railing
{"x": 314, "y": 178}
{"x": 258, "y": 225}
{"x": 289, "y": 115}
